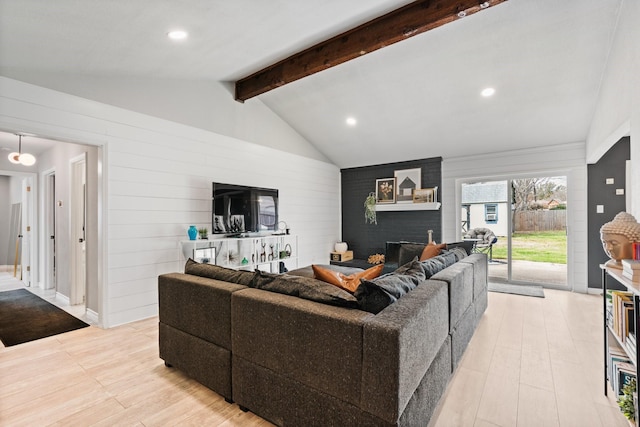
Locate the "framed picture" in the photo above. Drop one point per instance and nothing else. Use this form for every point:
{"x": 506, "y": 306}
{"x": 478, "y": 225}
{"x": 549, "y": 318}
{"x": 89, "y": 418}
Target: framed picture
{"x": 407, "y": 180}
{"x": 425, "y": 195}
{"x": 386, "y": 190}
{"x": 205, "y": 255}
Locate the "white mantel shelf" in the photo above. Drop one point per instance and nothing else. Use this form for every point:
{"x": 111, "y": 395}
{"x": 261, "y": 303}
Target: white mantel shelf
{"x": 408, "y": 207}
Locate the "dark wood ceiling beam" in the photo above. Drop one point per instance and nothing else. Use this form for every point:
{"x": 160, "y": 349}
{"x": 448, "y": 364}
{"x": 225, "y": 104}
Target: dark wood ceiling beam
{"x": 400, "y": 24}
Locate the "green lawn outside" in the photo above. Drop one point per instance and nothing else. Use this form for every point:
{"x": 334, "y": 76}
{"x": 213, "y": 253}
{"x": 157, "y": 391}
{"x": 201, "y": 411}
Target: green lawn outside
{"x": 542, "y": 246}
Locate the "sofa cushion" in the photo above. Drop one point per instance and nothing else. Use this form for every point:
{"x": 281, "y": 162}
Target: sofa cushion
{"x": 374, "y": 295}
{"x": 432, "y": 250}
{"x": 349, "y": 283}
{"x": 219, "y": 273}
{"x": 303, "y": 287}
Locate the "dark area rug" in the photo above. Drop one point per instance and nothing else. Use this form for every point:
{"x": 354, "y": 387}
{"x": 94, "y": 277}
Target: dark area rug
{"x": 526, "y": 290}
{"x": 26, "y": 317}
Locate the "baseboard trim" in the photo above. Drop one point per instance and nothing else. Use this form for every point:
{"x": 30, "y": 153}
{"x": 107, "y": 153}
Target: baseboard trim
{"x": 62, "y": 298}
{"x": 92, "y": 316}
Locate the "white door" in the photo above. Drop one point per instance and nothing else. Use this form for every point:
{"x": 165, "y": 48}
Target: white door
{"x": 78, "y": 236}
{"x": 27, "y": 230}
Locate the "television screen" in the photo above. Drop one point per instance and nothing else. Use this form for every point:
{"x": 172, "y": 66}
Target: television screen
{"x": 242, "y": 209}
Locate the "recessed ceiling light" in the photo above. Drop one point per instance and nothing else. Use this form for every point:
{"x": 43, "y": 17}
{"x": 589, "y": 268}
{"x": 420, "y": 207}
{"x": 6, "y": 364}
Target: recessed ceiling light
{"x": 351, "y": 121}
{"x": 487, "y": 92}
{"x": 177, "y": 35}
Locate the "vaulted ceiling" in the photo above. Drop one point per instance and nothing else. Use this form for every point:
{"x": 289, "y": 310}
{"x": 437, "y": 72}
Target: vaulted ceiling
{"x": 414, "y": 99}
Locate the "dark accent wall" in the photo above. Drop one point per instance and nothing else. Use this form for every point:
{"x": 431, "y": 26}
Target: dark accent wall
{"x": 366, "y": 239}
{"x": 611, "y": 165}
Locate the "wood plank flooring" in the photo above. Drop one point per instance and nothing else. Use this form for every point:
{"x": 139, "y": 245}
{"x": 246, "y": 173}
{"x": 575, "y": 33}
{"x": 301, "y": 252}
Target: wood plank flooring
{"x": 532, "y": 362}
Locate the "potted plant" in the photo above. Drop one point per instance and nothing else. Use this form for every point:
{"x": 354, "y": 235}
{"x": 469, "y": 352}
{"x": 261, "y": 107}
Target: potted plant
{"x": 204, "y": 233}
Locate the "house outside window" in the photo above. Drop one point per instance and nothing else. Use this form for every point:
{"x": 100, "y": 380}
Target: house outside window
{"x": 491, "y": 213}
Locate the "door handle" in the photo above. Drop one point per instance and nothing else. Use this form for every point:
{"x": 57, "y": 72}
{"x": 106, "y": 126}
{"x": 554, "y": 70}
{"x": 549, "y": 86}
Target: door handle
{"x": 80, "y": 240}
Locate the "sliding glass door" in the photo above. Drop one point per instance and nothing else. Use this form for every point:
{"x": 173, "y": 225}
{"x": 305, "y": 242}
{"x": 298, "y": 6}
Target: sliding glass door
{"x": 521, "y": 224}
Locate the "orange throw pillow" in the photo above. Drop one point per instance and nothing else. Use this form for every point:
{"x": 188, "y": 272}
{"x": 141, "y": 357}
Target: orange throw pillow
{"x": 348, "y": 283}
{"x": 432, "y": 250}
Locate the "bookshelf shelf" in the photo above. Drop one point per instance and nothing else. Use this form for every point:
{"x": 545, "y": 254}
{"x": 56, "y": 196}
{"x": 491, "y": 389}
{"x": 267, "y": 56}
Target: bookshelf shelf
{"x": 247, "y": 253}
{"x": 621, "y": 322}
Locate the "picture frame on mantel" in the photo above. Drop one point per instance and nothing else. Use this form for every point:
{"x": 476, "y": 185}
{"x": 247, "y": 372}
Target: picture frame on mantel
{"x": 425, "y": 195}
{"x": 407, "y": 180}
{"x": 385, "y": 190}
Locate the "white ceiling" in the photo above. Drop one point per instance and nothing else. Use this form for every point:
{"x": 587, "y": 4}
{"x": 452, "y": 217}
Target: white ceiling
{"x": 414, "y": 99}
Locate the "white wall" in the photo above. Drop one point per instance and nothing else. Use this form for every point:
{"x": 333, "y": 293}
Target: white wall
{"x": 5, "y": 218}
{"x": 157, "y": 181}
{"x": 205, "y": 105}
{"x": 618, "y": 110}
{"x": 565, "y": 159}
{"x": 477, "y": 219}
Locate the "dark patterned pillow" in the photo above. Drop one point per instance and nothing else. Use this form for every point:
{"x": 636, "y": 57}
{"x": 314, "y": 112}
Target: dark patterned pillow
{"x": 459, "y": 253}
{"x": 467, "y": 245}
{"x": 433, "y": 265}
{"x": 303, "y": 287}
{"x": 219, "y": 273}
{"x": 374, "y": 295}
{"x": 409, "y": 251}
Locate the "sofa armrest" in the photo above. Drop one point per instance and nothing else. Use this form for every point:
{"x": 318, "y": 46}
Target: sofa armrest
{"x": 399, "y": 344}
{"x": 315, "y": 344}
{"x": 197, "y": 305}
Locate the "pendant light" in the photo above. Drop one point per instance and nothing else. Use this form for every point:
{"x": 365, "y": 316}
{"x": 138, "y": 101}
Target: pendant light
{"x": 25, "y": 159}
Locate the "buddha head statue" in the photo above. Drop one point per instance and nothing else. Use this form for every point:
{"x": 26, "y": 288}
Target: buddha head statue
{"x": 617, "y": 237}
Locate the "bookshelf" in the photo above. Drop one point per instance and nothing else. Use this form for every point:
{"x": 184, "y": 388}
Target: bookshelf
{"x": 621, "y": 323}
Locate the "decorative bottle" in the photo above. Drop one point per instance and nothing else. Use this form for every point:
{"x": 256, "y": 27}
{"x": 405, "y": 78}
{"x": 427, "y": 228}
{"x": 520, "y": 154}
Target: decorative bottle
{"x": 192, "y": 232}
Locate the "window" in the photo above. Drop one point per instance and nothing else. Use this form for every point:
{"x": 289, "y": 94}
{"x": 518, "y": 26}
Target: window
{"x": 491, "y": 213}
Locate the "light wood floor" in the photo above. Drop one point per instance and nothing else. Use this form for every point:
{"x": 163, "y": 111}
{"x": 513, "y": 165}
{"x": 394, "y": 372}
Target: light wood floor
{"x": 532, "y": 362}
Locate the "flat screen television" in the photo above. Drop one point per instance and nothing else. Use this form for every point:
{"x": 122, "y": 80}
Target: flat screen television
{"x": 241, "y": 209}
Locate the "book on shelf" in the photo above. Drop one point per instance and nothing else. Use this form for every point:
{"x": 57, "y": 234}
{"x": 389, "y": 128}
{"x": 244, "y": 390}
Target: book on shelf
{"x": 615, "y": 356}
{"x": 636, "y": 250}
{"x": 630, "y": 264}
{"x": 631, "y": 269}
{"x": 634, "y": 277}
{"x": 622, "y": 319}
{"x": 625, "y": 373}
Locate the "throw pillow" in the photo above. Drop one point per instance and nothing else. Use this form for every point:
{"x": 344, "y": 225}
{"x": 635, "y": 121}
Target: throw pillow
{"x": 349, "y": 283}
{"x": 432, "y": 250}
{"x": 459, "y": 253}
{"x": 303, "y": 287}
{"x": 433, "y": 265}
{"x": 408, "y": 251}
{"x": 467, "y": 245}
{"x": 308, "y": 270}
{"x": 374, "y": 295}
{"x": 219, "y": 273}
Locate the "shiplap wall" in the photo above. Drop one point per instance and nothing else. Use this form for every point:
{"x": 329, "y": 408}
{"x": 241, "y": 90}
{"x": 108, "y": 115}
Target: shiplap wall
{"x": 562, "y": 159}
{"x": 157, "y": 181}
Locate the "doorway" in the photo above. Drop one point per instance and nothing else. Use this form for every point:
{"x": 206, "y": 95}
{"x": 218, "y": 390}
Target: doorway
{"x": 78, "y": 230}
{"x": 528, "y": 217}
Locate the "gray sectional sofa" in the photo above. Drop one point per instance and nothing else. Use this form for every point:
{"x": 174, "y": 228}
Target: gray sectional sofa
{"x": 299, "y": 362}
